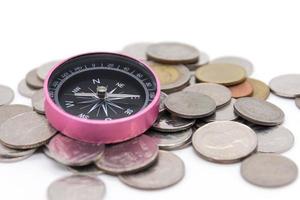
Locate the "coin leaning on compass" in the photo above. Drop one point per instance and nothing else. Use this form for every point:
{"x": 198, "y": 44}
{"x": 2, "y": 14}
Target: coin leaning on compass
{"x": 199, "y": 113}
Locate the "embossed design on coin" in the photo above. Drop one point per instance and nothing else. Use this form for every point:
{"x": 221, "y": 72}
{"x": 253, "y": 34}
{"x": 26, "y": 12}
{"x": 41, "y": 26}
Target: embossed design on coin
{"x": 269, "y": 170}
{"x": 130, "y": 156}
{"x": 225, "y": 74}
{"x": 219, "y": 93}
{"x": 190, "y": 104}
{"x": 72, "y": 152}
{"x": 76, "y": 187}
{"x": 171, "y": 141}
{"x": 43, "y": 70}
{"x": 225, "y": 113}
{"x": 260, "y": 89}
{"x": 172, "y": 77}
{"x": 170, "y": 123}
{"x": 172, "y": 53}
{"x": 26, "y": 131}
{"x": 243, "y": 89}
{"x": 37, "y": 101}
{"x": 32, "y": 80}
{"x": 137, "y": 50}
{"x": 276, "y": 139}
{"x": 25, "y": 90}
{"x": 224, "y": 141}
{"x": 287, "y": 85}
{"x": 6, "y": 95}
{"x": 157, "y": 176}
{"x": 259, "y": 111}
{"x": 246, "y": 64}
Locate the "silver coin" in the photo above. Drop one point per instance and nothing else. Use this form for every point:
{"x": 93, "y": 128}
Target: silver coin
{"x": 190, "y": 104}
{"x": 167, "y": 171}
{"x": 172, "y": 53}
{"x": 37, "y": 101}
{"x": 259, "y": 111}
{"x": 90, "y": 169}
{"x": 9, "y": 111}
{"x": 192, "y": 79}
{"x": 199, "y": 123}
{"x": 76, "y": 187}
{"x": 32, "y": 79}
{"x": 44, "y": 69}
{"x": 68, "y": 151}
{"x": 167, "y": 122}
{"x": 26, "y": 90}
{"x": 130, "y": 156}
{"x": 297, "y": 101}
{"x": 26, "y": 131}
{"x": 276, "y": 139}
{"x": 287, "y": 85}
{"x": 219, "y": 93}
{"x": 203, "y": 60}
{"x": 224, "y": 141}
{"x": 225, "y": 113}
{"x": 246, "y": 64}
{"x": 137, "y": 50}
{"x": 162, "y": 99}
{"x": 171, "y": 141}
{"x": 6, "y": 95}
{"x": 9, "y": 152}
{"x": 5, "y": 159}
{"x": 269, "y": 170}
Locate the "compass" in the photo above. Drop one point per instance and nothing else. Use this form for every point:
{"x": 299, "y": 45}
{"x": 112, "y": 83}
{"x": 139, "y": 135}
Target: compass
{"x": 101, "y": 97}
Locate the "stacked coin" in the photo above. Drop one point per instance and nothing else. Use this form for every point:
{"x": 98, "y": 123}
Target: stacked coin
{"x": 213, "y": 106}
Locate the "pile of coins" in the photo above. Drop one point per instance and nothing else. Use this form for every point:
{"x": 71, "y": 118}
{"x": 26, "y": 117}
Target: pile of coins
{"x": 212, "y": 105}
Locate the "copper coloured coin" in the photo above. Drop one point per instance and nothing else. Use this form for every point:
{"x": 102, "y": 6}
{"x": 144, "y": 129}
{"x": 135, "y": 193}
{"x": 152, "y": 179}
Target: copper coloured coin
{"x": 76, "y": 187}
{"x": 26, "y": 131}
{"x": 225, "y": 74}
{"x": 243, "y": 62}
{"x": 172, "y": 77}
{"x": 26, "y": 90}
{"x": 276, "y": 139}
{"x": 269, "y": 170}
{"x": 172, "y": 53}
{"x": 219, "y": 93}
{"x": 68, "y": 151}
{"x": 33, "y": 80}
{"x": 37, "y": 101}
{"x": 167, "y": 122}
{"x": 260, "y": 89}
{"x": 190, "y": 105}
{"x": 258, "y": 111}
{"x": 130, "y": 156}
{"x": 6, "y": 95}
{"x": 137, "y": 50}
{"x": 243, "y": 89}
{"x": 167, "y": 171}
{"x": 224, "y": 141}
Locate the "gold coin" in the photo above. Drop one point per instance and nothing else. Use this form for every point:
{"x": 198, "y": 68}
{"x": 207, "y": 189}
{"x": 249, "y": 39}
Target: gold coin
{"x": 260, "y": 89}
{"x": 221, "y": 73}
{"x": 172, "y": 77}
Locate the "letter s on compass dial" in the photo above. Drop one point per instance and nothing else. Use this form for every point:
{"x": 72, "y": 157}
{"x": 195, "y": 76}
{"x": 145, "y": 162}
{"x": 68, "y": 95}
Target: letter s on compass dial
{"x": 101, "y": 94}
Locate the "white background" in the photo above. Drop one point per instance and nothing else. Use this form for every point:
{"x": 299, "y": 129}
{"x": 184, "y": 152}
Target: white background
{"x": 267, "y": 32}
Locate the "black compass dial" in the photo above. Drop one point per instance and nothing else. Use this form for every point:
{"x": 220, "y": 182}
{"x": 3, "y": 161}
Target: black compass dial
{"x": 102, "y": 86}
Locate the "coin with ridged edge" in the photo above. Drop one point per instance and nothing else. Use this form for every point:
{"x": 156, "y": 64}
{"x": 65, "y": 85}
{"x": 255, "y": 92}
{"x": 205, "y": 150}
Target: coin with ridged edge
{"x": 172, "y": 53}
{"x": 225, "y": 74}
{"x": 6, "y": 95}
{"x": 269, "y": 170}
{"x": 157, "y": 176}
{"x": 76, "y": 187}
{"x": 26, "y": 131}
{"x": 190, "y": 105}
{"x": 219, "y": 93}
{"x": 224, "y": 141}
{"x": 287, "y": 85}
{"x": 68, "y": 151}
{"x": 258, "y": 111}
{"x": 167, "y": 122}
{"x": 130, "y": 156}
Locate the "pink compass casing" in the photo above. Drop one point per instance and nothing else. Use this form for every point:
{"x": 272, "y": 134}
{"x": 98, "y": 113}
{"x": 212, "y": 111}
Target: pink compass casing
{"x": 101, "y": 131}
